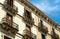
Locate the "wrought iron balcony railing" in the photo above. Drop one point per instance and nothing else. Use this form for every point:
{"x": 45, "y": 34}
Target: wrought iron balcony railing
{"x": 54, "y": 35}
{"x": 29, "y": 33}
{"x": 42, "y": 28}
{"x": 13, "y": 9}
{"x": 29, "y": 21}
{"x": 9, "y": 23}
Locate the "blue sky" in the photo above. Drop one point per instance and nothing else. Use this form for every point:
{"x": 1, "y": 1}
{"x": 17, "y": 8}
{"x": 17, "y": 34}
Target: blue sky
{"x": 49, "y": 7}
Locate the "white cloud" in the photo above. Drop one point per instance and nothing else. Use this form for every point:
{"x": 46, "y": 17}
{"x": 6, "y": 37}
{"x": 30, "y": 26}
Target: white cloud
{"x": 46, "y": 6}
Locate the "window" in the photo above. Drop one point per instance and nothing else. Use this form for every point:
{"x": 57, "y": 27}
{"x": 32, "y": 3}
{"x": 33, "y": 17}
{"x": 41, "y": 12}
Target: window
{"x": 28, "y": 14}
{"x": 28, "y": 37}
{"x": 6, "y": 37}
{"x": 10, "y": 2}
{"x": 28, "y": 28}
{"x": 43, "y": 36}
{"x": 9, "y": 19}
{"x": 41, "y": 22}
{"x": 53, "y": 32}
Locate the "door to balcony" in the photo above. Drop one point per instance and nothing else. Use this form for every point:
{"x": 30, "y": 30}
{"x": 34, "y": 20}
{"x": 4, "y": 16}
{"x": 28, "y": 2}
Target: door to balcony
{"x": 26, "y": 37}
{"x": 28, "y": 17}
{"x": 43, "y": 36}
{"x": 10, "y": 19}
{"x": 10, "y": 2}
{"x": 28, "y": 14}
{"x": 28, "y": 28}
{"x": 5, "y": 37}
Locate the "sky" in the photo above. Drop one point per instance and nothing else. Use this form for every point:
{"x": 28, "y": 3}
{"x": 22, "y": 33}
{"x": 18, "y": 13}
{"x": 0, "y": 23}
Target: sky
{"x": 50, "y": 7}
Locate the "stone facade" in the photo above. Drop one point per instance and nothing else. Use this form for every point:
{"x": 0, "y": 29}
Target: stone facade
{"x": 19, "y": 19}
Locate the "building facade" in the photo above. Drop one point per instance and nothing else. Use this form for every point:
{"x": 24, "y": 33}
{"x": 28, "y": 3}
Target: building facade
{"x": 19, "y": 19}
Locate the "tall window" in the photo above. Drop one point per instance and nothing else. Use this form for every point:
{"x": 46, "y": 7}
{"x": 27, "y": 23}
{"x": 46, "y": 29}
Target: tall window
{"x": 28, "y": 14}
{"x": 28, "y": 28}
{"x": 28, "y": 32}
{"x": 9, "y": 19}
{"x": 53, "y": 31}
{"x": 10, "y": 2}
{"x": 41, "y": 22}
{"x": 43, "y": 36}
{"x": 6, "y": 37}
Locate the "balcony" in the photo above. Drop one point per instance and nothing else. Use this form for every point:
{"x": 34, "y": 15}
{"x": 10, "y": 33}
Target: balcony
{"x": 28, "y": 20}
{"x": 42, "y": 28}
{"x": 9, "y": 25}
{"x": 13, "y": 10}
{"x": 29, "y": 34}
{"x": 54, "y": 35}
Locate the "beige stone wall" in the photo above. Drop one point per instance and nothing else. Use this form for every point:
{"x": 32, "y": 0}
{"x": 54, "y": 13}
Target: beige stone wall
{"x": 20, "y": 8}
{"x": 58, "y": 32}
{"x": 2, "y": 13}
{"x": 0, "y": 35}
{"x": 2, "y": 1}
{"x": 48, "y": 37}
{"x": 39, "y": 35}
